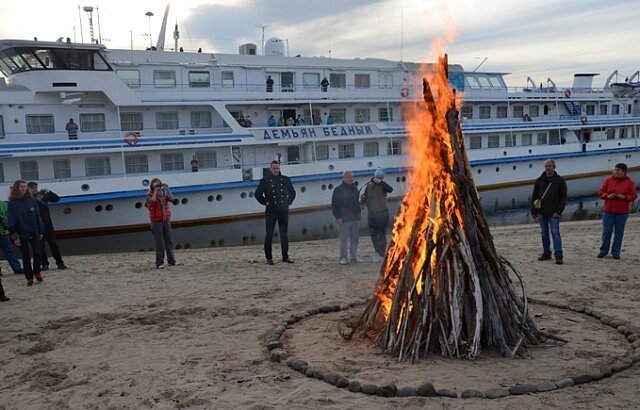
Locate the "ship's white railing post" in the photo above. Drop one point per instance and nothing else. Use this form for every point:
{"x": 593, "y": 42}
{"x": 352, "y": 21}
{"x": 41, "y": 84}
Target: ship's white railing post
{"x": 124, "y": 165}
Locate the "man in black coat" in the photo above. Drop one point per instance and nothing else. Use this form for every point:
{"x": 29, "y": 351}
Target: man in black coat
{"x": 43, "y": 198}
{"x": 276, "y": 192}
{"x": 345, "y": 206}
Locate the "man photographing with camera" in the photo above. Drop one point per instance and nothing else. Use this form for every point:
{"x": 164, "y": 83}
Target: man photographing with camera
{"x": 157, "y": 202}
{"x": 43, "y": 197}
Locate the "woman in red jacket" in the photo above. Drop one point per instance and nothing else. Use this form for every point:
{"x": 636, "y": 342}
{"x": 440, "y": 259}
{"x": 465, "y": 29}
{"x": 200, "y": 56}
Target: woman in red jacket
{"x": 618, "y": 191}
{"x": 157, "y": 202}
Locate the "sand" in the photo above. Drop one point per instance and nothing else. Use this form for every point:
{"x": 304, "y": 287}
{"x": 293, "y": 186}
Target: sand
{"x": 111, "y": 332}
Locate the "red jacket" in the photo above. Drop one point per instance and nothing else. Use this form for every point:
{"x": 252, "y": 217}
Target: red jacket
{"x": 613, "y": 185}
{"x": 158, "y": 209}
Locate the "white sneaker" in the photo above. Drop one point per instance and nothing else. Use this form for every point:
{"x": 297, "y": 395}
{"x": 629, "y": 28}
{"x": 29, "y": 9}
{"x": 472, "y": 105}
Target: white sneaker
{"x": 161, "y": 266}
{"x": 357, "y": 260}
{"x": 176, "y": 263}
{"x": 343, "y": 262}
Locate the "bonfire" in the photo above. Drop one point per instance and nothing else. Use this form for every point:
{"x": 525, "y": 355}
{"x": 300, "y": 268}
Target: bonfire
{"x": 443, "y": 287}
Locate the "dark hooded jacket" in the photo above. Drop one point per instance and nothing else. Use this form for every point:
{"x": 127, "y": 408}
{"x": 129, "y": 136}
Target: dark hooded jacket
{"x": 554, "y": 200}
{"x": 276, "y": 192}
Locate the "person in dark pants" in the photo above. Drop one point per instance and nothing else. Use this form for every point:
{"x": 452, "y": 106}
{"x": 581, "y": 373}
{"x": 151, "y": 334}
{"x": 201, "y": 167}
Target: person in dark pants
{"x": 26, "y": 228}
{"x": 269, "y": 84}
{"x": 346, "y": 209}
{"x": 3, "y": 297}
{"x": 43, "y": 198}
{"x": 5, "y": 242}
{"x": 276, "y": 192}
{"x": 375, "y": 198}
{"x": 157, "y": 202}
{"x": 72, "y": 129}
{"x": 324, "y": 84}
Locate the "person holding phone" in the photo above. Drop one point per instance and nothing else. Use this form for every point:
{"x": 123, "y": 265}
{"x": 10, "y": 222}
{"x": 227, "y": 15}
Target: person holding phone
{"x": 157, "y": 202}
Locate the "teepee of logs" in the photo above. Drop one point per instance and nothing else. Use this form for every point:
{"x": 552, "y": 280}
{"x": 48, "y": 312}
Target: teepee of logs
{"x": 443, "y": 288}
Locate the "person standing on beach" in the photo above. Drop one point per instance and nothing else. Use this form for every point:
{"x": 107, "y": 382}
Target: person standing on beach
{"x": 346, "y": 209}
{"x": 3, "y": 297}
{"x": 72, "y": 129}
{"x": 26, "y": 228}
{"x": 5, "y": 242}
{"x": 157, "y": 202}
{"x": 43, "y": 198}
{"x": 548, "y": 200}
{"x": 618, "y": 192}
{"x": 375, "y": 198}
{"x": 276, "y": 192}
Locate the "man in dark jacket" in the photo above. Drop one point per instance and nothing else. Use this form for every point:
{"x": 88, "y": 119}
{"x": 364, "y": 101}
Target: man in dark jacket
{"x": 43, "y": 198}
{"x": 276, "y": 192}
{"x": 375, "y": 198}
{"x": 346, "y": 209}
{"x": 548, "y": 200}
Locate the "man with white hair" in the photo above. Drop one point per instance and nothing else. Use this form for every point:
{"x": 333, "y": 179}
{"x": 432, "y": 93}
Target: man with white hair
{"x": 345, "y": 206}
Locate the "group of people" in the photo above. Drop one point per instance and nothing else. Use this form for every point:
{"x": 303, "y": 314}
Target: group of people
{"x": 549, "y": 198}
{"x": 26, "y": 222}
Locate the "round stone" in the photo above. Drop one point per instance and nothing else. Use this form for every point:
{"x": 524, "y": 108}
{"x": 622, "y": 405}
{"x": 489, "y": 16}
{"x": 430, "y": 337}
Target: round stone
{"x": 623, "y": 329}
{"x": 313, "y": 311}
{"x": 496, "y": 393}
{"x": 635, "y": 344}
{"x": 596, "y": 375}
{"x": 298, "y": 364}
{"x": 354, "y": 386}
{"x": 635, "y": 357}
{"x": 274, "y": 345}
{"x": 621, "y": 365}
{"x": 325, "y": 309}
{"x": 277, "y": 355}
{"x": 519, "y": 389}
{"x": 447, "y": 393}
{"x": 309, "y": 371}
{"x": 615, "y": 323}
{"x": 427, "y": 390}
{"x": 632, "y": 337}
{"x": 342, "y": 382}
{"x": 318, "y": 374}
{"x": 369, "y": 388}
{"x": 331, "y": 378}
{"x": 407, "y": 391}
{"x": 579, "y": 309}
{"x": 565, "y": 383}
{"x": 606, "y": 320}
{"x": 546, "y": 386}
{"x": 582, "y": 379}
{"x": 336, "y": 308}
{"x": 472, "y": 394}
{"x": 606, "y": 371}
{"x": 387, "y": 390}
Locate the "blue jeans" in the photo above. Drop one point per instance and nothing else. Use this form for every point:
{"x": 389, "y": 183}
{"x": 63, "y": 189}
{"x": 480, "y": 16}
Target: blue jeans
{"x": 547, "y": 222}
{"x": 9, "y": 253}
{"x": 611, "y": 222}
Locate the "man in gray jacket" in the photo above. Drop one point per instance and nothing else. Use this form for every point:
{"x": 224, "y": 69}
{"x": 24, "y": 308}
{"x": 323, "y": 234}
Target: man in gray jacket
{"x": 375, "y": 198}
{"x": 346, "y": 209}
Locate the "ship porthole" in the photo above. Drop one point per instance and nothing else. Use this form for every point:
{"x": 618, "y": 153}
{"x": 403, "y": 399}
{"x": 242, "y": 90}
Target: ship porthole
{"x": 176, "y": 202}
{"x": 245, "y": 240}
{"x": 67, "y": 211}
{"x": 369, "y": 164}
{"x": 303, "y": 189}
{"x": 479, "y": 171}
{"x": 145, "y": 182}
{"x": 243, "y": 195}
{"x": 185, "y": 201}
{"x": 323, "y": 187}
{"x": 530, "y": 151}
{"x": 138, "y": 205}
{"x": 331, "y": 167}
{"x": 304, "y": 231}
{"x": 221, "y": 242}
{"x": 514, "y": 167}
{"x": 530, "y": 165}
{"x": 99, "y": 208}
{"x": 85, "y": 187}
{"x": 213, "y": 244}
{"x": 404, "y": 179}
{"x": 251, "y": 194}
{"x": 504, "y": 153}
{"x": 330, "y": 186}
{"x": 210, "y": 198}
{"x": 497, "y": 169}
{"x": 109, "y": 207}
{"x": 218, "y": 197}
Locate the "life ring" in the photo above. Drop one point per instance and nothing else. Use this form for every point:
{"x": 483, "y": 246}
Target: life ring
{"x": 131, "y": 138}
{"x": 584, "y": 119}
{"x": 567, "y": 93}
{"x": 404, "y": 92}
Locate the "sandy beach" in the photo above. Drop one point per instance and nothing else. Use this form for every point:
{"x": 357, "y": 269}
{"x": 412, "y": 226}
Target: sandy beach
{"x": 112, "y": 332}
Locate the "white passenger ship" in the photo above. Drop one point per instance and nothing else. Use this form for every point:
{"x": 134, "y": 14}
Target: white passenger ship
{"x": 147, "y": 113}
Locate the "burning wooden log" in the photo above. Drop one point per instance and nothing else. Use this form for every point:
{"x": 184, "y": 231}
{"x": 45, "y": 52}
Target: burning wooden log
{"x": 443, "y": 287}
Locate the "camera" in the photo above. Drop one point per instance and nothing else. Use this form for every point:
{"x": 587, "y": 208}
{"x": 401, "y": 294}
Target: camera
{"x": 41, "y": 192}
{"x": 157, "y": 186}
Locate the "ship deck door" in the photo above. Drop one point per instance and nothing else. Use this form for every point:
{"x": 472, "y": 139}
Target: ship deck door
{"x": 293, "y": 154}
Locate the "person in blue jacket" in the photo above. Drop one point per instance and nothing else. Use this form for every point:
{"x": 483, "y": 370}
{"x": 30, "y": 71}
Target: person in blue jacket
{"x": 25, "y": 228}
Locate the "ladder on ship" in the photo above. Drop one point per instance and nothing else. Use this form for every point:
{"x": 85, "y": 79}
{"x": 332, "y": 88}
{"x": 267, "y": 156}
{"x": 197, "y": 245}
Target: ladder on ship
{"x": 573, "y": 108}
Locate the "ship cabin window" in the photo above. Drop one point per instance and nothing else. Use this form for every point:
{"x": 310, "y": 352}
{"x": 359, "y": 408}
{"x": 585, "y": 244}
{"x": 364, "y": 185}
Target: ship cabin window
{"x": 227, "y": 79}
{"x": 541, "y": 138}
{"x": 315, "y": 120}
{"x": 471, "y": 82}
{"x": 362, "y": 115}
{"x": 534, "y": 111}
{"x": 385, "y": 114}
{"x": 131, "y": 121}
{"x": 371, "y": 149}
{"x": 207, "y": 159}
{"x": 385, "y": 80}
{"x": 311, "y": 80}
{"x": 136, "y": 164}
{"x": 485, "y": 112}
{"x": 346, "y": 150}
{"x": 493, "y": 141}
{"x": 130, "y": 77}
{"x": 339, "y": 115}
{"x": 338, "y": 80}
{"x": 1, "y": 172}
{"x": 167, "y": 120}
{"x": 611, "y": 133}
{"x": 40, "y": 124}
{"x": 591, "y": 109}
{"x": 475, "y": 142}
{"x": 321, "y": 152}
{"x": 394, "y": 148}
{"x": 97, "y": 166}
{"x": 199, "y": 79}
{"x": 61, "y": 168}
{"x": 1, "y": 127}
{"x": 467, "y": 112}
{"x": 201, "y": 119}
{"x": 509, "y": 140}
{"x": 525, "y": 139}
{"x": 287, "y": 81}
{"x": 501, "y": 111}
{"x": 518, "y": 111}
{"x": 92, "y": 122}
{"x": 362, "y": 81}
{"x": 484, "y": 82}
{"x": 164, "y": 78}
{"x": 172, "y": 162}
{"x": 603, "y": 109}
{"x": 29, "y": 170}
{"x": 19, "y": 59}
{"x": 615, "y": 109}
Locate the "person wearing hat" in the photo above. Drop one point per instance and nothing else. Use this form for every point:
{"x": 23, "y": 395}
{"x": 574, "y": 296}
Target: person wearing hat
{"x": 43, "y": 198}
{"x": 375, "y": 199}
{"x": 618, "y": 192}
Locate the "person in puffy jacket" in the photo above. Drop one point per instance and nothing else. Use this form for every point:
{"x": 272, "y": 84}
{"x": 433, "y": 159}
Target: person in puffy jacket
{"x": 345, "y": 206}
{"x": 157, "y": 202}
{"x": 375, "y": 198}
{"x": 618, "y": 192}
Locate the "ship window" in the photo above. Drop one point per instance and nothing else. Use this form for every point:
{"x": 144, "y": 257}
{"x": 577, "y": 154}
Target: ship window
{"x": 1, "y": 127}
{"x": 136, "y": 164}
{"x": 40, "y": 124}
{"x": 485, "y": 112}
{"x": 541, "y": 138}
{"x": 603, "y": 109}
{"x": 7, "y": 61}
{"x": 201, "y": 119}
{"x": 31, "y": 60}
{"x": 29, "y": 170}
{"x": 484, "y": 82}
{"x": 467, "y": 112}
{"x": 321, "y": 153}
{"x": 207, "y": 159}
{"x": 591, "y": 109}
{"x": 131, "y": 121}
{"x": 501, "y": 111}
{"x": 130, "y": 77}
{"x": 623, "y": 133}
{"x": 339, "y": 115}
{"x": 1, "y": 172}
{"x": 315, "y": 120}
{"x": 164, "y": 78}
{"x": 199, "y": 79}
{"x": 611, "y": 133}
{"x": 494, "y": 141}
{"x": 346, "y": 150}
{"x": 615, "y": 109}
{"x": 310, "y": 80}
{"x": 394, "y": 148}
{"x": 362, "y": 81}
{"x": 386, "y": 80}
{"x": 471, "y": 82}
{"x": 495, "y": 82}
{"x": 371, "y": 149}
{"x": 97, "y": 166}
{"x": 227, "y": 79}
{"x": 92, "y": 122}
{"x": 287, "y": 81}
{"x": 526, "y": 139}
{"x": 167, "y": 120}
{"x": 385, "y": 114}
{"x": 475, "y": 142}
{"x": 61, "y": 168}
{"x": 518, "y": 111}
{"x": 362, "y": 115}
{"x": 510, "y": 140}
{"x": 337, "y": 80}
{"x": 534, "y": 111}
{"x": 172, "y": 162}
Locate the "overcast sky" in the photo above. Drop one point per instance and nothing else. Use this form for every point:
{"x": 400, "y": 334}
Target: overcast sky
{"x": 540, "y": 39}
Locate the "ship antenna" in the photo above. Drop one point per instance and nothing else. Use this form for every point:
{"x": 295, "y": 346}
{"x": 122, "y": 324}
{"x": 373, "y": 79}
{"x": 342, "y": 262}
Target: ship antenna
{"x": 401, "y": 30}
{"x": 80, "y": 18}
{"x": 99, "y": 31}
{"x": 163, "y": 29}
{"x": 89, "y": 11}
